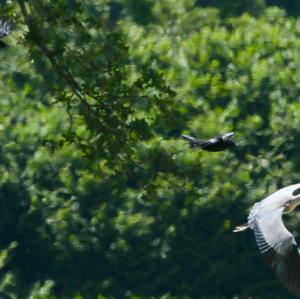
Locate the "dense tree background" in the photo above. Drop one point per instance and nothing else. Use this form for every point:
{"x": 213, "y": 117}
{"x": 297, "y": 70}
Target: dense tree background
{"x": 99, "y": 196}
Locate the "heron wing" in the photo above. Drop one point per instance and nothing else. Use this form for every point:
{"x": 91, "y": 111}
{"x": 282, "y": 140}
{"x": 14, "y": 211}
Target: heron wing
{"x": 227, "y": 136}
{"x": 277, "y": 244}
{"x": 5, "y": 28}
{"x": 213, "y": 140}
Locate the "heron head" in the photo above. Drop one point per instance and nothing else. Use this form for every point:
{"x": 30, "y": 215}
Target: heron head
{"x": 293, "y": 199}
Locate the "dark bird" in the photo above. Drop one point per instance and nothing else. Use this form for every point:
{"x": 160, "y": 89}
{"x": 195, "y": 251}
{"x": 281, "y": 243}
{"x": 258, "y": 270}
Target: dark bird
{"x": 274, "y": 241}
{"x": 5, "y": 29}
{"x": 216, "y": 144}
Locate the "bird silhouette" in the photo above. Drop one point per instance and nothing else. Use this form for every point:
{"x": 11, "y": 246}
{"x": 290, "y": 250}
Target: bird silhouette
{"x": 274, "y": 241}
{"x": 216, "y": 144}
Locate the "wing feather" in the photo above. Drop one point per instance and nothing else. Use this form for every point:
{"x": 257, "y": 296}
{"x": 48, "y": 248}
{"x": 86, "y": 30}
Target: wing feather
{"x": 276, "y": 244}
{"x": 5, "y": 28}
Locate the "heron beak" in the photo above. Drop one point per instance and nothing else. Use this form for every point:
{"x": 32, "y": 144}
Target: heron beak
{"x": 293, "y": 204}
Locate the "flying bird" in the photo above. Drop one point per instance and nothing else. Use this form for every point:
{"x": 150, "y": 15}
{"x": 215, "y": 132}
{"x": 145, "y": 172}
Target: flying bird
{"x": 5, "y": 29}
{"x": 216, "y": 144}
{"x": 274, "y": 241}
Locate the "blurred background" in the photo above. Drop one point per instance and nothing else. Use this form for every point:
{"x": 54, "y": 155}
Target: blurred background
{"x": 99, "y": 195}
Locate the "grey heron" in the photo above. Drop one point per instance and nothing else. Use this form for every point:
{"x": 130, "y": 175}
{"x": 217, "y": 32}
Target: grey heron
{"x": 216, "y": 144}
{"x": 274, "y": 241}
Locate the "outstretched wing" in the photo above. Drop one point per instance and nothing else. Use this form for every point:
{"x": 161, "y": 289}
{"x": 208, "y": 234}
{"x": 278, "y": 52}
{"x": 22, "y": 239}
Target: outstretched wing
{"x": 5, "y": 28}
{"x": 227, "y": 136}
{"x": 277, "y": 244}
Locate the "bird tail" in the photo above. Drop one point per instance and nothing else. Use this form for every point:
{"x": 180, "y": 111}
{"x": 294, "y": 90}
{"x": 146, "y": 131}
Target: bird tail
{"x": 241, "y": 228}
{"x": 193, "y": 141}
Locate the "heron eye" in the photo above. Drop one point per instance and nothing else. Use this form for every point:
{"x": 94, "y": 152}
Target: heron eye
{"x": 296, "y": 192}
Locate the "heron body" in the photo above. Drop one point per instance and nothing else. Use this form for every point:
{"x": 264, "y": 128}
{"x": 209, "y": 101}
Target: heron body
{"x": 274, "y": 241}
{"x": 216, "y": 144}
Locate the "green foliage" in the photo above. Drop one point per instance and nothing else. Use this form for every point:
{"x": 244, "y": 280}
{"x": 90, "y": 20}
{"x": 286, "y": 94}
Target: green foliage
{"x": 233, "y": 8}
{"x": 142, "y": 11}
{"x": 98, "y": 194}
{"x": 86, "y": 66}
